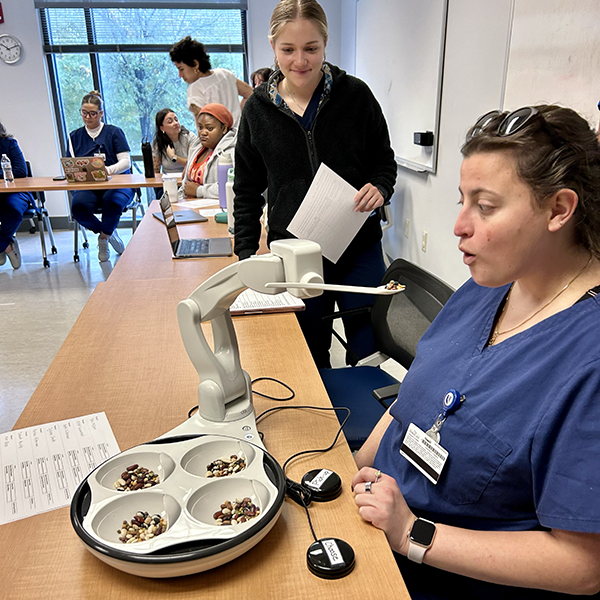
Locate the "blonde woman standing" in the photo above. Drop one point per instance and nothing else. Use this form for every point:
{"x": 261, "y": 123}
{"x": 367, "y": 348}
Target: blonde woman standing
{"x": 311, "y": 112}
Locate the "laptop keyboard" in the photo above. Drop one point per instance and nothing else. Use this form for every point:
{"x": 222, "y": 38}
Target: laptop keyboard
{"x": 193, "y": 247}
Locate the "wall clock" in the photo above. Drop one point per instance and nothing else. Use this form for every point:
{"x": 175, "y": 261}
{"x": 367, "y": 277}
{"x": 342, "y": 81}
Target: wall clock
{"x": 10, "y": 48}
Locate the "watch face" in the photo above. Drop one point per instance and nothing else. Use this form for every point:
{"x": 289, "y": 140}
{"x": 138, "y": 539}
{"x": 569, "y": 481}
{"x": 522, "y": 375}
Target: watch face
{"x": 10, "y": 48}
{"x": 422, "y": 532}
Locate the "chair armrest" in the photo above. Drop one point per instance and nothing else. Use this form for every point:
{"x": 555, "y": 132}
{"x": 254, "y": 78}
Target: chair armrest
{"x": 347, "y": 313}
{"x": 385, "y": 393}
{"x": 373, "y": 360}
{"x": 352, "y": 356}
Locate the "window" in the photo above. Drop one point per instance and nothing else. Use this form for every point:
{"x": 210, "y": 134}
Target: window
{"x": 124, "y": 53}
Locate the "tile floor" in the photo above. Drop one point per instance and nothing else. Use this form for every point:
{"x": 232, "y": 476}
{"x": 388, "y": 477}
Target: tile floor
{"x": 39, "y": 306}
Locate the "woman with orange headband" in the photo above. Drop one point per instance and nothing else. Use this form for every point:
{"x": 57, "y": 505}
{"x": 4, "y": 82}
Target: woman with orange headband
{"x": 214, "y": 123}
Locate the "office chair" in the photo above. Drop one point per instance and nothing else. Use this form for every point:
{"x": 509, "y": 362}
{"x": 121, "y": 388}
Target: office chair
{"x": 40, "y": 212}
{"x": 135, "y": 205}
{"x": 398, "y": 322}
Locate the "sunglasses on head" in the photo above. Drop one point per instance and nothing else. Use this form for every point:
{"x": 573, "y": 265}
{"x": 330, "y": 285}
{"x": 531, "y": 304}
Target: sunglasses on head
{"x": 513, "y": 122}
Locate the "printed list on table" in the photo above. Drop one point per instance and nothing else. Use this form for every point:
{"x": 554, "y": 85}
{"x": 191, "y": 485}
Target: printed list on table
{"x": 43, "y": 465}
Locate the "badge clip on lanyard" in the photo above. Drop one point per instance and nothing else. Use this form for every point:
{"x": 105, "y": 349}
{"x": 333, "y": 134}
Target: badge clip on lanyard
{"x": 423, "y": 449}
{"x": 452, "y": 400}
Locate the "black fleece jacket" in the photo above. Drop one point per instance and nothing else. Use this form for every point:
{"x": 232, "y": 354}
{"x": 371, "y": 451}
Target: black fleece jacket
{"x": 274, "y": 152}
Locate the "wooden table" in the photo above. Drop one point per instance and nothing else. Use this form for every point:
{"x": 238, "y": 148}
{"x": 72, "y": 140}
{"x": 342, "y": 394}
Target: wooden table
{"x": 149, "y": 256}
{"x": 125, "y": 356}
{"x": 47, "y": 184}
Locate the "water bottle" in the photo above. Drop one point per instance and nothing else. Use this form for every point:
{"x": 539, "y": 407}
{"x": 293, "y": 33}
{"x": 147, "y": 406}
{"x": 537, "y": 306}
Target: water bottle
{"x": 230, "y": 196}
{"x": 225, "y": 163}
{"x": 7, "y": 171}
{"x": 148, "y": 162}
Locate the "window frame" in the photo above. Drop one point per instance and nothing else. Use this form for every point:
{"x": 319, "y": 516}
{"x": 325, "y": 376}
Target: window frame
{"x": 94, "y": 50}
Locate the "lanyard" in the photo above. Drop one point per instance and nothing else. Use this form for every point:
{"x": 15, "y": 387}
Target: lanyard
{"x": 452, "y": 400}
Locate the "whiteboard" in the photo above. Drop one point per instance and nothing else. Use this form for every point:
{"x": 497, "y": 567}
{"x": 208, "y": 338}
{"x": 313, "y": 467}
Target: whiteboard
{"x": 400, "y": 54}
{"x": 555, "y": 56}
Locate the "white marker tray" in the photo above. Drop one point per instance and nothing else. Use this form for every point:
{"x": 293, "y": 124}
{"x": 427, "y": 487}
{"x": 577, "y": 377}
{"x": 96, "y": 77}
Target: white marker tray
{"x": 184, "y": 497}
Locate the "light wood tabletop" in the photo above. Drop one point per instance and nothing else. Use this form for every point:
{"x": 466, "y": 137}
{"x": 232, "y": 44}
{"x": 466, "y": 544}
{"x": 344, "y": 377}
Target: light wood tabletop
{"x": 125, "y": 356}
{"x": 48, "y": 184}
{"x": 149, "y": 255}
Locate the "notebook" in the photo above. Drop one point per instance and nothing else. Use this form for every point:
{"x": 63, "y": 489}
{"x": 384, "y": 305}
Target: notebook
{"x": 183, "y": 216}
{"x": 250, "y": 302}
{"x": 191, "y": 248}
{"x": 84, "y": 168}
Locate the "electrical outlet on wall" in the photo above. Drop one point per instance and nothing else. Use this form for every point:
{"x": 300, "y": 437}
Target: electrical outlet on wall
{"x": 424, "y": 242}
{"x": 406, "y": 228}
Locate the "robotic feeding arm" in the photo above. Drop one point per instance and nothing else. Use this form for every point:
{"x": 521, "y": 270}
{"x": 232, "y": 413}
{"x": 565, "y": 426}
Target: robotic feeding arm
{"x": 224, "y": 392}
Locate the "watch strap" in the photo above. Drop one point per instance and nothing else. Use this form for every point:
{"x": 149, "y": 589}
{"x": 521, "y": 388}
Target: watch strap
{"x": 416, "y": 552}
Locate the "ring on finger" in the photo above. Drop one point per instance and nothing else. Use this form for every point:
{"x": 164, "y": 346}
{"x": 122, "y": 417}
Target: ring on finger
{"x": 368, "y": 487}
{"x": 377, "y": 476}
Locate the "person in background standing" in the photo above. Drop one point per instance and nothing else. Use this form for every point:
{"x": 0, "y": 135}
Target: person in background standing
{"x": 205, "y": 84}
{"x": 312, "y": 112}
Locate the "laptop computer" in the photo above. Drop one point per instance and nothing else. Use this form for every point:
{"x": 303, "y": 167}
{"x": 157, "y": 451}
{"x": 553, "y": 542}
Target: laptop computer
{"x": 191, "y": 248}
{"x": 84, "y": 168}
{"x": 183, "y": 216}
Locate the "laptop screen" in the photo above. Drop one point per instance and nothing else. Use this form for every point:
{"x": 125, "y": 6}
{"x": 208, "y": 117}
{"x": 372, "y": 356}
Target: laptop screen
{"x": 84, "y": 168}
{"x": 167, "y": 211}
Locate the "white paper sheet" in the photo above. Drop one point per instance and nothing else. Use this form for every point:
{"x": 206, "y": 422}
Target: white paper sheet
{"x": 43, "y": 465}
{"x": 327, "y": 216}
{"x": 210, "y": 212}
{"x": 251, "y": 302}
{"x": 200, "y": 203}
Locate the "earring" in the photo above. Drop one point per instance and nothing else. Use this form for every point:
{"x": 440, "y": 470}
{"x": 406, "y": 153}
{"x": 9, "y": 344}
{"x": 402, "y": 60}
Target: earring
{"x": 324, "y": 56}
{"x": 276, "y": 61}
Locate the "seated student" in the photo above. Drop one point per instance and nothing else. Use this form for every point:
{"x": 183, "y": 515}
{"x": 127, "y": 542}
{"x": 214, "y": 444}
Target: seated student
{"x": 205, "y": 84}
{"x": 12, "y": 205}
{"x": 171, "y": 143}
{"x": 215, "y": 136}
{"x": 516, "y": 510}
{"x": 260, "y": 76}
{"x": 95, "y": 137}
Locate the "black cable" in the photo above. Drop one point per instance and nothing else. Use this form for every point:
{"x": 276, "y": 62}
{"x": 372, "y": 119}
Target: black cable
{"x": 297, "y": 492}
{"x": 301, "y": 495}
{"x": 339, "y": 431}
{"x": 285, "y": 385}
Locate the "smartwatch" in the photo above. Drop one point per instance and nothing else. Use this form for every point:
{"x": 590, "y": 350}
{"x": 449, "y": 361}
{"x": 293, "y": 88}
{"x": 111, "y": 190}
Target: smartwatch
{"x": 174, "y": 159}
{"x": 420, "y": 539}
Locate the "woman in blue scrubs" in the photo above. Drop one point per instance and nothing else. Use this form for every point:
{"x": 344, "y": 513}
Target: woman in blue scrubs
{"x": 501, "y": 407}
{"x": 108, "y": 141}
{"x": 13, "y": 205}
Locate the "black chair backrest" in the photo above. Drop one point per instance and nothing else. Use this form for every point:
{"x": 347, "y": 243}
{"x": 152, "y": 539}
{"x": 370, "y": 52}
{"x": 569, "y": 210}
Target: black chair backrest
{"x": 400, "y": 320}
{"x": 40, "y": 197}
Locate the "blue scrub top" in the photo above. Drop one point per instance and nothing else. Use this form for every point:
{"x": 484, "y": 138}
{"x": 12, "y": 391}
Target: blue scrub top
{"x": 524, "y": 446}
{"x": 109, "y": 142}
{"x": 10, "y": 147}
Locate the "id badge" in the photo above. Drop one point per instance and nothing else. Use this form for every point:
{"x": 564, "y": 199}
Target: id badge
{"x": 424, "y": 453}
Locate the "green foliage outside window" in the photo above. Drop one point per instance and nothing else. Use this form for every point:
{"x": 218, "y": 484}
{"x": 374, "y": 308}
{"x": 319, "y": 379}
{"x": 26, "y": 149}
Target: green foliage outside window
{"x": 135, "y": 85}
